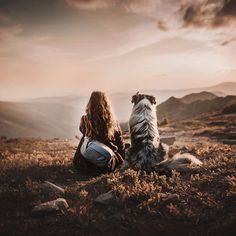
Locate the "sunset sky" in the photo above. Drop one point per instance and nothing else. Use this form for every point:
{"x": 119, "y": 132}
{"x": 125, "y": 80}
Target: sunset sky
{"x": 61, "y": 47}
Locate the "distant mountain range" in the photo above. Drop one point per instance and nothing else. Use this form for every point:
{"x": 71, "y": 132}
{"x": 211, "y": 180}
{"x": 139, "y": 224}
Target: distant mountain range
{"x": 226, "y": 88}
{"x": 194, "y": 105}
{"x": 60, "y": 116}
{"x": 222, "y": 89}
{"x": 122, "y": 101}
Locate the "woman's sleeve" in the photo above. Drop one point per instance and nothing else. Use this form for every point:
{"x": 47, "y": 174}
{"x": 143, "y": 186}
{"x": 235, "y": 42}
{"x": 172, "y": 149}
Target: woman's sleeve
{"x": 119, "y": 141}
{"x": 78, "y": 155}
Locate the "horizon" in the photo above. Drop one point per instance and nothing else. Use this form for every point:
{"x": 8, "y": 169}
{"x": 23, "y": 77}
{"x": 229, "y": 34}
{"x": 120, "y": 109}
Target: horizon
{"x": 201, "y": 89}
{"x": 62, "y": 47}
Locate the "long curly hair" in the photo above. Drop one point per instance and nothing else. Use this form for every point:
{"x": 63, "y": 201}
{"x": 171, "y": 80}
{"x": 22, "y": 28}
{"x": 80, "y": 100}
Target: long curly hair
{"x": 99, "y": 119}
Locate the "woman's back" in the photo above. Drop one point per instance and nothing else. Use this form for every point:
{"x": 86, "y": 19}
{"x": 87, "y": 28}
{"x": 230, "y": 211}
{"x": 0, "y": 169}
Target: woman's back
{"x": 115, "y": 142}
{"x": 99, "y": 124}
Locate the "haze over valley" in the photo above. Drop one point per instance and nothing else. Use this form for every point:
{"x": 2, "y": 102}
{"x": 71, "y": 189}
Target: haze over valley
{"x": 59, "y": 117}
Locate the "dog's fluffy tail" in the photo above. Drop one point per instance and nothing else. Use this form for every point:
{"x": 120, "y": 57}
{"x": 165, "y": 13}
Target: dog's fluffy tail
{"x": 180, "y": 162}
{"x": 147, "y": 157}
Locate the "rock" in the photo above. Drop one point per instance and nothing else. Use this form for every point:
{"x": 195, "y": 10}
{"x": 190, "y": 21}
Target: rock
{"x": 171, "y": 197}
{"x": 50, "y": 187}
{"x": 168, "y": 140}
{"x": 229, "y": 141}
{"x": 105, "y": 198}
{"x": 59, "y": 204}
{"x": 71, "y": 171}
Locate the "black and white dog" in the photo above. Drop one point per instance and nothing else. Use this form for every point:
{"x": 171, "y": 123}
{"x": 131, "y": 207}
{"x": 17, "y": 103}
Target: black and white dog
{"x": 146, "y": 150}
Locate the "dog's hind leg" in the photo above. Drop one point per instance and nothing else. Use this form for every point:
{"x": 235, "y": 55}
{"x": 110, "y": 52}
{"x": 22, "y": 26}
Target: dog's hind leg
{"x": 180, "y": 162}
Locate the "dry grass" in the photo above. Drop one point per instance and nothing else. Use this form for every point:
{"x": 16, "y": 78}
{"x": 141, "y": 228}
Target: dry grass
{"x": 201, "y": 201}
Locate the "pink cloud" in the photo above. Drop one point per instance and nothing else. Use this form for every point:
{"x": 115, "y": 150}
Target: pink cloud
{"x": 8, "y": 29}
{"x": 9, "y": 32}
{"x": 198, "y": 13}
{"x": 135, "y": 6}
{"x": 4, "y": 17}
{"x": 91, "y": 4}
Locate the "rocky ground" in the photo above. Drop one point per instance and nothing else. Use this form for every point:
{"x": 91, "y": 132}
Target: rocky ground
{"x": 198, "y": 202}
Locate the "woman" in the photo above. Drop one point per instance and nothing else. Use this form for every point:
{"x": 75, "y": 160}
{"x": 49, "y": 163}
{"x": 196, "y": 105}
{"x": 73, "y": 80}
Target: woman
{"x": 99, "y": 125}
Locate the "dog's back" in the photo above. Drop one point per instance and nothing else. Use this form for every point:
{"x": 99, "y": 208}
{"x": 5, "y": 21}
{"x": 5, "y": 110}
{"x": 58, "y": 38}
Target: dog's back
{"x": 146, "y": 149}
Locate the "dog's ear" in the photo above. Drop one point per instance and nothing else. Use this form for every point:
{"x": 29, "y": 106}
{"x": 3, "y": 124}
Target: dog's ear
{"x": 135, "y": 98}
{"x": 153, "y": 100}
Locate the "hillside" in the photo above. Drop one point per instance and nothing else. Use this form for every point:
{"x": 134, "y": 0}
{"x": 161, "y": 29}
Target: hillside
{"x": 170, "y": 107}
{"x": 175, "y": 109}
{"x": 193, "y": 97}
{"x": 198, "y": 202}
{"x": 37, "y": 120}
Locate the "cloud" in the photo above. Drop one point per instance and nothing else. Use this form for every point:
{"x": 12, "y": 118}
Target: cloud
{"x": 9, "y": 32}
{"x": 4, "y": 17}
{"x": 8, "y": 29}
{"x": 140, "y": 6}
{"x": 228, "y": 41}
{"x": 198, "y": 13}
{"x": 134, "y": 6}
{"x": 162, "y": 25}
{"x": 209, "y": 13}
{"x": 229, "y": 9}
{"x": 91, "y": 4}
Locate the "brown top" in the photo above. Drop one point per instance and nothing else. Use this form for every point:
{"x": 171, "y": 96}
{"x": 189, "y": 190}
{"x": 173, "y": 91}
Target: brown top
{"x": 116, "y": 144}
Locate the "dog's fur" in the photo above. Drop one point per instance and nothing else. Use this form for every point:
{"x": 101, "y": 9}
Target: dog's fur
{"x": 146, "y": 149}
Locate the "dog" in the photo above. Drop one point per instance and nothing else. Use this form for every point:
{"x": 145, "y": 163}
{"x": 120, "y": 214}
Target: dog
{"x": 147, "y": 150}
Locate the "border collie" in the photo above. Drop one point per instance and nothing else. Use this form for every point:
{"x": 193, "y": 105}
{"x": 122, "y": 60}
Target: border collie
{"x": 146, "y": 150}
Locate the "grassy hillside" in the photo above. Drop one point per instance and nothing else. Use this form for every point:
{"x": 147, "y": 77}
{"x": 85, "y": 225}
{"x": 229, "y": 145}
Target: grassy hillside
{"x": 199, "y": 202}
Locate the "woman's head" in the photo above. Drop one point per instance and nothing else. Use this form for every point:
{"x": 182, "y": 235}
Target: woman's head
{"x": 100, "y": 121}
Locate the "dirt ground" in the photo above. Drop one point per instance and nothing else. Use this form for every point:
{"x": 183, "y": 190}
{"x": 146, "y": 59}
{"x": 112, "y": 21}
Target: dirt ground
{"x": 201, "y": 201}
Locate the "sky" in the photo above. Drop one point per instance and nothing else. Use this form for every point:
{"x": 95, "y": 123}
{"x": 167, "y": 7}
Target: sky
{"x": 63, "y": 47}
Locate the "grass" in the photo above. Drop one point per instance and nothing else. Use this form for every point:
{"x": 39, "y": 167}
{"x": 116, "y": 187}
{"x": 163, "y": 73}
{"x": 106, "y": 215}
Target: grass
{"x": 199, "y": 202}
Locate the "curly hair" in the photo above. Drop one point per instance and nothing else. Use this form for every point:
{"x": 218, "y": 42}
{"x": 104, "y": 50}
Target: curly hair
{"x": 99, "y": 118}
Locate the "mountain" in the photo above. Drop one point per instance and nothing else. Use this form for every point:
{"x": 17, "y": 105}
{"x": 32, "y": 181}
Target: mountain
{"x": 175, "y": 109}
{"x": 193, "y": 97}
{"x": 168, "y": 107}
{"x": 222, "y": 89}
{"x": 226, "y": 87}
{"x": 122, "y": 101}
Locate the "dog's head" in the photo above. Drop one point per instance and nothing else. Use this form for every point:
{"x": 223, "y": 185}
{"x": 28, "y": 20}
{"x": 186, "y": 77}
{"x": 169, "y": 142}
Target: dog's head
{"x": 138, "y": 97}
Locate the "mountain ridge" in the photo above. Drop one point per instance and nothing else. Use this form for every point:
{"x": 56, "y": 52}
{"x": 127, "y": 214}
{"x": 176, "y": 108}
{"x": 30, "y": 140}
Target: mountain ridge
{"x": 181, "y": 110}
{"x": 204, "y": 95}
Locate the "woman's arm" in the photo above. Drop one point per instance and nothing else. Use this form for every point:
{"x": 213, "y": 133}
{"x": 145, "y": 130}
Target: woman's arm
{"x": 78, "y": 155}
{"x": 119, "y": 141}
